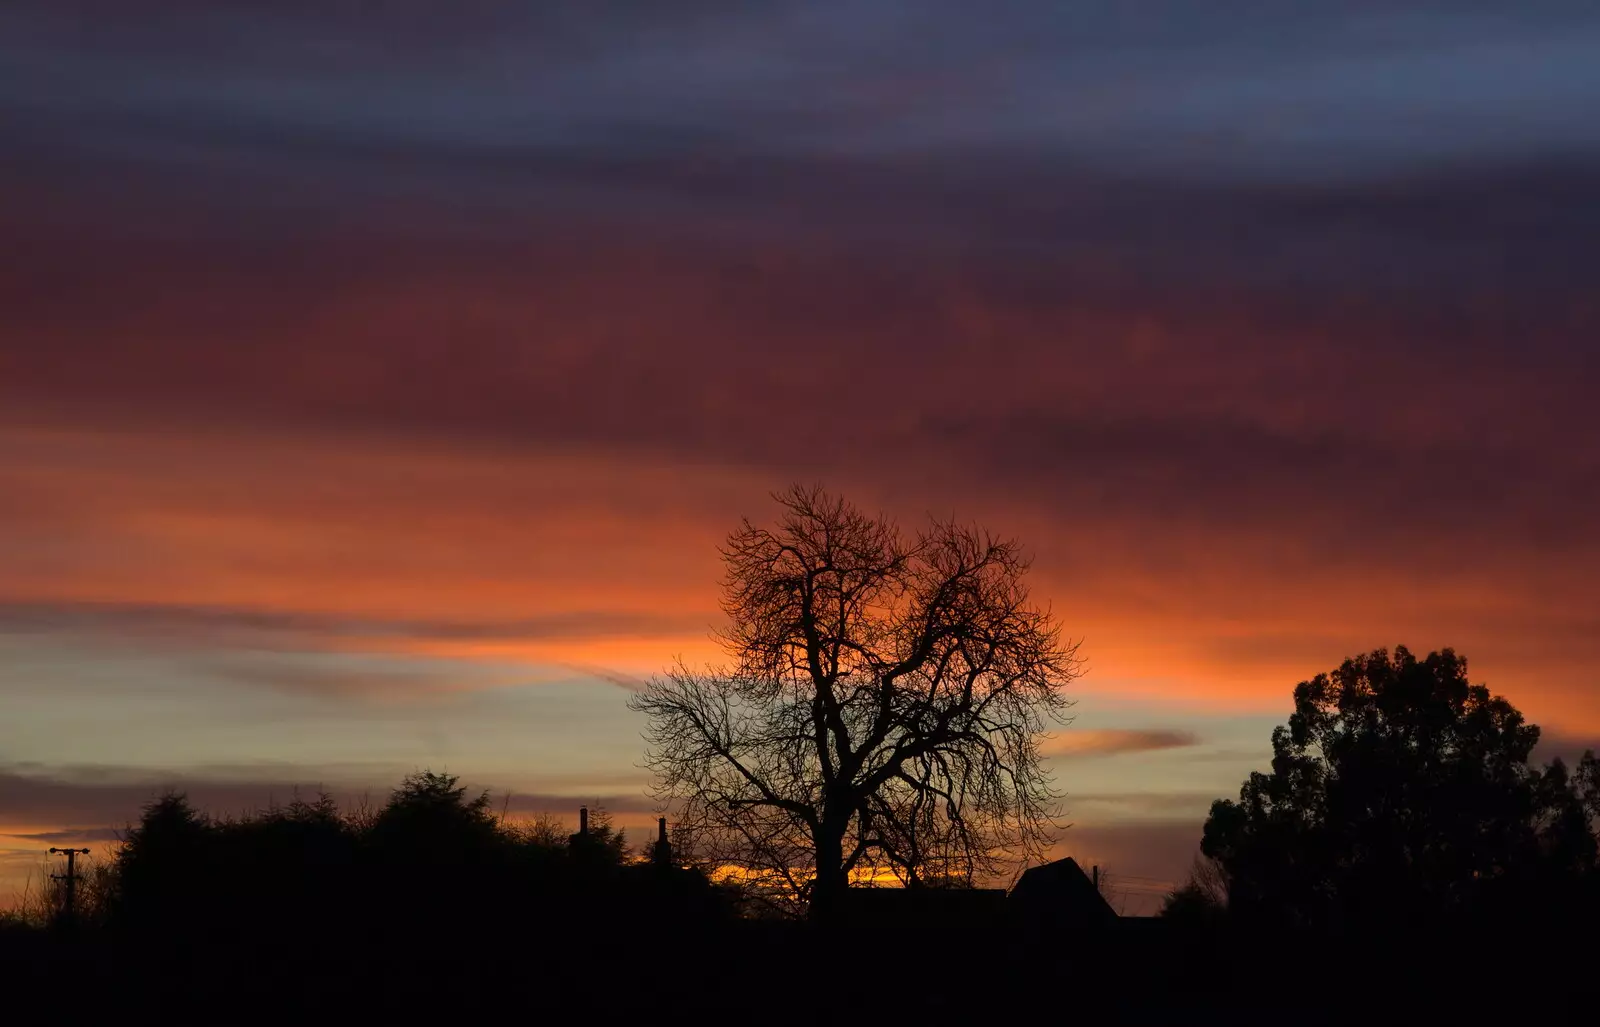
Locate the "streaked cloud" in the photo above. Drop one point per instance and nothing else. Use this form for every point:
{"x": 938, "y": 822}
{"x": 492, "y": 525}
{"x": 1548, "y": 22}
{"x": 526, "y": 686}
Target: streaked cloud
{"x": 1072, "y": 744}
{"x": 1329, "y": 89}
{"x": 73, "y": 836}
{"x": 624, "y": 681}
{"x": 105, "y": 799}
{"x": 307, "y": 628}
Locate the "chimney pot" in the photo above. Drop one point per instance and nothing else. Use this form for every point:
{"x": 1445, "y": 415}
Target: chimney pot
{"x": 661, "y": 828}
{"x": 583, "y": 820}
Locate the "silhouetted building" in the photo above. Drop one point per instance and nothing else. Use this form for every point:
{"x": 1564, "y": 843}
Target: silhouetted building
{"x": 1059, "y": 896}
{"x": 1055, "y": 897}
{"x": 581, "y": 839}
{"x": 661, "y": 853}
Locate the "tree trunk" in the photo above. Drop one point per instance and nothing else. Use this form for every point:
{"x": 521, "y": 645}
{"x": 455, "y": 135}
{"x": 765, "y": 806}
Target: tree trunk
{"x": 827, "y": 892}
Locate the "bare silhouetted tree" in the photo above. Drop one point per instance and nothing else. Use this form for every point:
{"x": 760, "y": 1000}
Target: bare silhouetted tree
{"x": 880, "y": 711}
{"x": 1203, "y": 897}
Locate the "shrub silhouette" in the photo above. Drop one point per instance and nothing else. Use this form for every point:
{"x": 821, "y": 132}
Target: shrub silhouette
{"x": 162, "y": 865}
{"x": 1202, "y": 899}
{"x": 429, "y": 817}
{"x": 433, "y": 864}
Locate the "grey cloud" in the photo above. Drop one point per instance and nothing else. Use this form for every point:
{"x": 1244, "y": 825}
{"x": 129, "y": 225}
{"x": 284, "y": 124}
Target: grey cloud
{"x": 74, "y": 836}
{"x": 106, "y": 799}
{"x": 624, "y": 681}
{"x": 1569, "y": 748}
{"x": 631, "y": 806}
{"x": 138, "y": 618}
{"x": 1119, "y": 807}
{"x": 1087, "y": 743}
{"x": 30, "y": 798}
{"x": 346, "y": 685}
{"x": 365, "y": 680}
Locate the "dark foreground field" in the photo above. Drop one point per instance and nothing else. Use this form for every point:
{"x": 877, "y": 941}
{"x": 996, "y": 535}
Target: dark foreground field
{"x": 767, "y": 972}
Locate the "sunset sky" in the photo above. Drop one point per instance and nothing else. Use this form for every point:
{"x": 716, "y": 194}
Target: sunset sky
{"x": 378, "y": 380}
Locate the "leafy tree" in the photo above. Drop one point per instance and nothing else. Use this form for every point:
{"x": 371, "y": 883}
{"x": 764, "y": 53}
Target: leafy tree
{"x": 430, "y": 818}
{"x": 287, "y": 865}
{"x": 1399, "y": 791}
{"x": 433, "y": 861}
{"x": 1588, "y": 785}
{"x": 879, "y": 711}
{"x": 161, "y": 863}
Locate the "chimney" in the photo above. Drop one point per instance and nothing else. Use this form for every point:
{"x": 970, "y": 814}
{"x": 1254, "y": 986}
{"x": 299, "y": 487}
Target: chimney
{"x": 662, "y": 856}
{"x": 583, "y": 841}
{"x": 1097, "y": 877}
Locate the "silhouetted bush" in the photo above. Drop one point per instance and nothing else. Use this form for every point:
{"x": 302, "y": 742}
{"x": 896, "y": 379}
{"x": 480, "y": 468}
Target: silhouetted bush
{"x": 432, "y": 866}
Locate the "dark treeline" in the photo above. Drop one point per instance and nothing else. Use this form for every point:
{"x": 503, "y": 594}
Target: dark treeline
{"x": 430, "y": 861}
{"x": 1404, "y": 855}
{"x": 399, "y": 904}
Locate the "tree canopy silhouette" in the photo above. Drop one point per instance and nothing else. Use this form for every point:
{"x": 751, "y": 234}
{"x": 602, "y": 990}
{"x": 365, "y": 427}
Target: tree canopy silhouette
{"x": 879, "y": 711}
{"x": 1400, "y": 792}
{"x": 433, "y": 861}
{"x": 430, "y": 816}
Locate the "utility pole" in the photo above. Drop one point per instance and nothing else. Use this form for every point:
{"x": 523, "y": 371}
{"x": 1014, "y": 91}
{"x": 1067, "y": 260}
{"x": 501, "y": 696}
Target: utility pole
{"x": 71, "y": 877}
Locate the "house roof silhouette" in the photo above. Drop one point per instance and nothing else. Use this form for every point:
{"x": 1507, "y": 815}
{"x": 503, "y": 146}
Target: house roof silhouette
{"x": 1059, "y": 894}
{"x": 1054, "y": 897}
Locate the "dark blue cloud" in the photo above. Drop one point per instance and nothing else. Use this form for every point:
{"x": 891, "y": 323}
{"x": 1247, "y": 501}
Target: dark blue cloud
{"x": 1446, "y": 148}
{"x": 1184, "y": 90}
